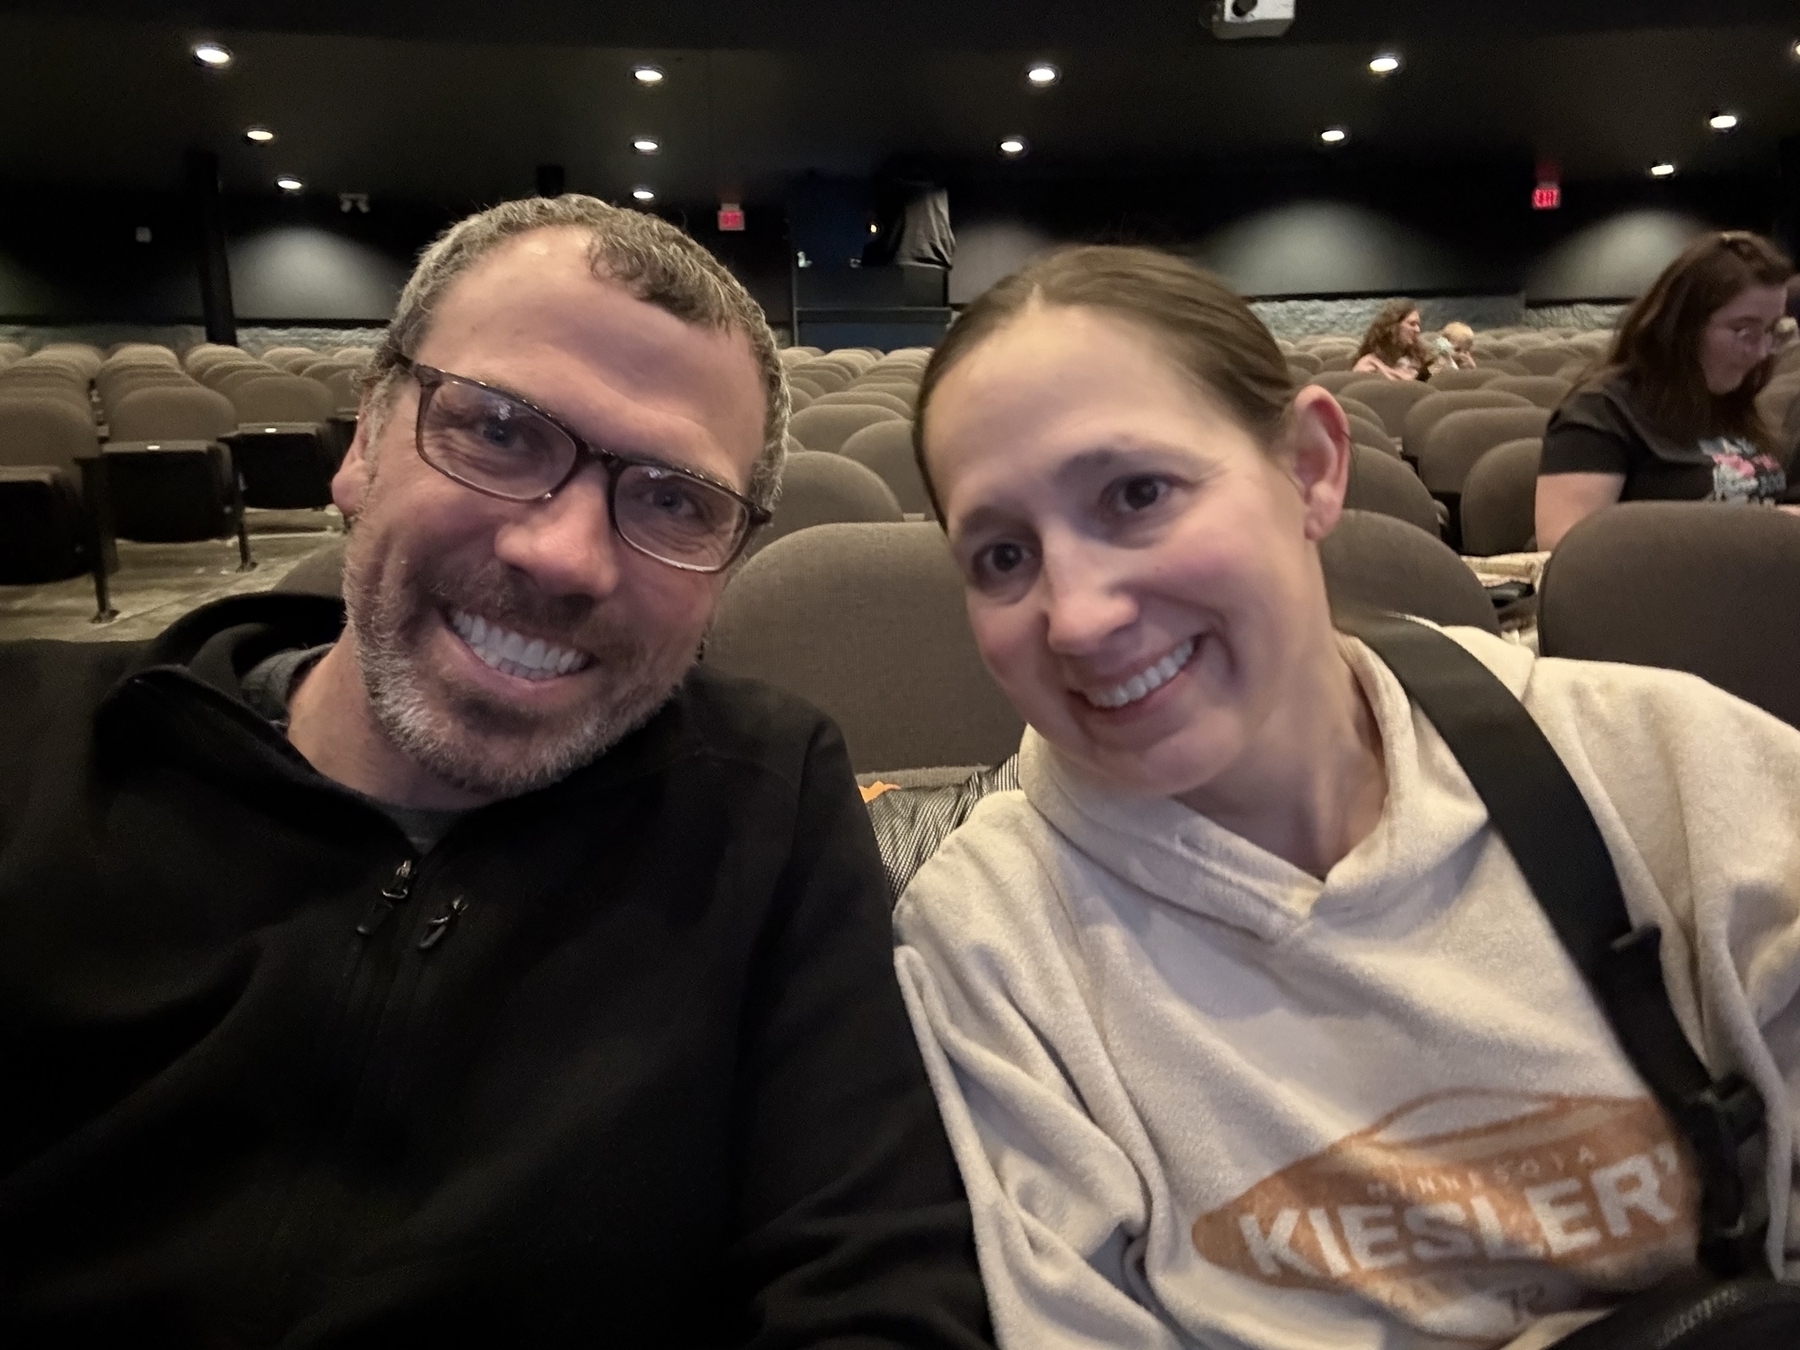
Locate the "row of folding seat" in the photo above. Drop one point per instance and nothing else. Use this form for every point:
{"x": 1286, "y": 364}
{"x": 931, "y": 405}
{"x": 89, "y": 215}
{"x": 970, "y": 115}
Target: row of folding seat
{"x": 1437, "y": 436}
{"x": 867, "y": 621}
{"x": 142, "y": 445}
{"x": 1463, "y": 448}
{"x": 1422, "y": 482}
{"x": 1561, "y": 352}
{"x": 858, "y": 404}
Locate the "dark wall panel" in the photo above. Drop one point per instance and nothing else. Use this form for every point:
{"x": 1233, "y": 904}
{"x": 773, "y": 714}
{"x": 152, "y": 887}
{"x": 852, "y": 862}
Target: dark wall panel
{"x": 302, "y": 272}
{"x": 73, "y": 257}
{"x": 1308, "y": 232}
{"x": 1613, "y": 258}
{"x": 68, "y": 257}
{"x": 1326, "y": 248}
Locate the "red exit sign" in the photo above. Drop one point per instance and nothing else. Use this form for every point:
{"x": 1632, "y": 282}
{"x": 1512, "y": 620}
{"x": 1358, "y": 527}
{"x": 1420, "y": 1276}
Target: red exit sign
{"x": 1546, "y": 197}
{"x": 731, "y": 217}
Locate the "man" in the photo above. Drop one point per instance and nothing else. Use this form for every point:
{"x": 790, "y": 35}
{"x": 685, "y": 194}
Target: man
{"x": 481, "y": 973}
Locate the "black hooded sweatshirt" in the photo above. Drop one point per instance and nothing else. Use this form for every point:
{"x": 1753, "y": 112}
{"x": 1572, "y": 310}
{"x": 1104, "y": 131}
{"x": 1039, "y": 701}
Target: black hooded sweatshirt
{"x": 618, "y": 1062}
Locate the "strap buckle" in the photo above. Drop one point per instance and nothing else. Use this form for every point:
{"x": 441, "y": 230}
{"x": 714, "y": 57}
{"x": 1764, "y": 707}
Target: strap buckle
{"x": 1715, "y": 1116}
{"x": 1718, "y": 1121}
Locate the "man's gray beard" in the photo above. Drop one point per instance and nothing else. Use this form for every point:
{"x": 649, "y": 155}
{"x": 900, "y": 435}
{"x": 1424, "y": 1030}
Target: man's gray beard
{"x": 471, "y": 740}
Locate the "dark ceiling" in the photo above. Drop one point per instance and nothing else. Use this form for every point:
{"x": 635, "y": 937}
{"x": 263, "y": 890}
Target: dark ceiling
{"x": 457, "y": 100}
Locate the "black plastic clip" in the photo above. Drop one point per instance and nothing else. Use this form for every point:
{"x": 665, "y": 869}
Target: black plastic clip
{"x": 1718, "y": 1122}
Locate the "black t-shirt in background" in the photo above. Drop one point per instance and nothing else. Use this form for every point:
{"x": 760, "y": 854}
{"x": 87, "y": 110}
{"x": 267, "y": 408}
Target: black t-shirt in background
{"x": 1603, "y": 430}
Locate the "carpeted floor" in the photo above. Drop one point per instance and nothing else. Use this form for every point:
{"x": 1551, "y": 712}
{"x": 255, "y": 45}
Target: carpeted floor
{"x": 158, "y": 583}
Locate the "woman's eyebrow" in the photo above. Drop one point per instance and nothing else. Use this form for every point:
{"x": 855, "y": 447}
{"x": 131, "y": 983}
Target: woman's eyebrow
{"x": 984, "y": 517}
{"x": 1105, "y": 459}
{"x": 1083, "y": 466}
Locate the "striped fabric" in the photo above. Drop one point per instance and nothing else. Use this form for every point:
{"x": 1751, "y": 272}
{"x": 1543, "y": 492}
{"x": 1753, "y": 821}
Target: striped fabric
{"x": 910, "y": 822}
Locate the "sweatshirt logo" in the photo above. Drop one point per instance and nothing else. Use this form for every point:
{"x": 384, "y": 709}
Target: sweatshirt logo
{"x": 1472, "y": 1214}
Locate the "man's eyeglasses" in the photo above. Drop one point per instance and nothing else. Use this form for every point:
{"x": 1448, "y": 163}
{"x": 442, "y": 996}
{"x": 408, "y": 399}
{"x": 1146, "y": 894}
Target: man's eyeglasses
{"x": 500, "y": 445}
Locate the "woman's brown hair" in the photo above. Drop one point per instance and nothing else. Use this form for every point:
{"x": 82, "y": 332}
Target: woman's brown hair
{"x": 1657, "y": 346}
{"x": 1207, "y": 329}
{"x": 1383, "y": 337}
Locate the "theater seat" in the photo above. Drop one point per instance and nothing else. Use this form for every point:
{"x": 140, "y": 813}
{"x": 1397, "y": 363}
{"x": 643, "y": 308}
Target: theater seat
{"x": 172, "y": 412}
{"x": 43, "y": 531}
{"x": 1457, "y": 443}
{"x": 1460, "y": 378}
{"x": 43, "y": 519}
{"x": 1355, "y": 407}
{"x": 886, "y": 449}
{"x": 827, "y": 426}
{"x": 861, "y": 396}
{"x": 822, "y": 489}
{"x": 171, "y": 491}
{"x": 1434, "y": 408}
{"x": 286, "y": 465}
{"x": 1391, "y": 399}
{"x": 826, "y": 377}
{"x": 1377, "y": 562}
{"x": 1364, "y": 431}
{"x": 867, "y": 622}
{"x": 1382, "y": 482}
{"x": 1547, "y": 360}
{"x": 1547, "y": 391}
{"x": 1499, "y": 499}
{"x": 281, "y": 398}
{"x": 1695, "y": 586}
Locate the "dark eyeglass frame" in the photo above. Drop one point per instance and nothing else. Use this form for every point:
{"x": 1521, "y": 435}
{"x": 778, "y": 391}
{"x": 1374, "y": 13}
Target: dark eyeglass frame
{"x": 430, "y": 379}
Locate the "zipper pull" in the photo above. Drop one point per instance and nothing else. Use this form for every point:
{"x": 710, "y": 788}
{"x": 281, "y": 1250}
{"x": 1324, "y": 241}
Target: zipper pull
{"x": 399, "y": 886}
{"x": 439, "y": 928}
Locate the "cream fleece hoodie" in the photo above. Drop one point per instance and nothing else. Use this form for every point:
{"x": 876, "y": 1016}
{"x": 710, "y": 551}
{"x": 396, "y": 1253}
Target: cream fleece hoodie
{"x": 1201, "y": 1098}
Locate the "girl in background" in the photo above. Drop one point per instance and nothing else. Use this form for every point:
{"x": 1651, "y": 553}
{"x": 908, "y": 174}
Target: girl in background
{"x": 1670, "y": 412}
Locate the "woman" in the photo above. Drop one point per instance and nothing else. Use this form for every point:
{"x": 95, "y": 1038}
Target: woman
{"x": 1670, "y": 413}
{"x": 1391, "y": 348}
{"x": 1245, "y": 1027}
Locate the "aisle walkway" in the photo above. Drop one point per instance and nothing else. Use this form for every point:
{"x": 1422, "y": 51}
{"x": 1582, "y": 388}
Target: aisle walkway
{"x": 158, "y": 583}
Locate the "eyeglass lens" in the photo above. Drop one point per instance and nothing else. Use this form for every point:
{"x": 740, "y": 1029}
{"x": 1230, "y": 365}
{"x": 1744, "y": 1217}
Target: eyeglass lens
{"x": 499, "y": 446}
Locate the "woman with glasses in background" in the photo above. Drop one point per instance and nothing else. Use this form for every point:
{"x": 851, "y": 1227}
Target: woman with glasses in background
{"x": 1670, "y": 412}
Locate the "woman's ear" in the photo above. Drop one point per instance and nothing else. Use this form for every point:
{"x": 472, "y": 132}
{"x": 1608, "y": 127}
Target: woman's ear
{"x": 1317, "y": 442}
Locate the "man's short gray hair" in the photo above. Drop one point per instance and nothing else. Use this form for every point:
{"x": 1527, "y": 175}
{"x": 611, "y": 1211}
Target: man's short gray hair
{"x": 650, "y": 258}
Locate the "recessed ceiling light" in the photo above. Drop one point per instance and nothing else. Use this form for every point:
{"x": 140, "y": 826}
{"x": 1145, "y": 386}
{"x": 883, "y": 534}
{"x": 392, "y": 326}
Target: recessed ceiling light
{"x": 1722, "y": 121}
{"x": 261, "y": 135}
{"x": 647, "y": 75}
{"x": 214, "y": 54}
{"x": 1014, "y": 146}
{"x": 1794, "y": 51}
{"x": 646, "y": 145}
{"x": 288, "y": 183}
{"x": 1385, "y": 64}
{"x": 1334, "y": 135}
{"x": 1042, "y": 74}
{"x": 644, "y": 194}
{"x": 1662, "y": 170}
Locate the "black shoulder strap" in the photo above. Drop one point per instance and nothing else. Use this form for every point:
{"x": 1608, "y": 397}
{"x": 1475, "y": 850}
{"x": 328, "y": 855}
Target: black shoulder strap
{"x": 1545, "y": 823}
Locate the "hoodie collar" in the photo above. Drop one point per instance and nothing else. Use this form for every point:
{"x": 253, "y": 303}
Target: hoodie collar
{"x": 1159, "y": 846}
{"x": 218, "y": 644}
